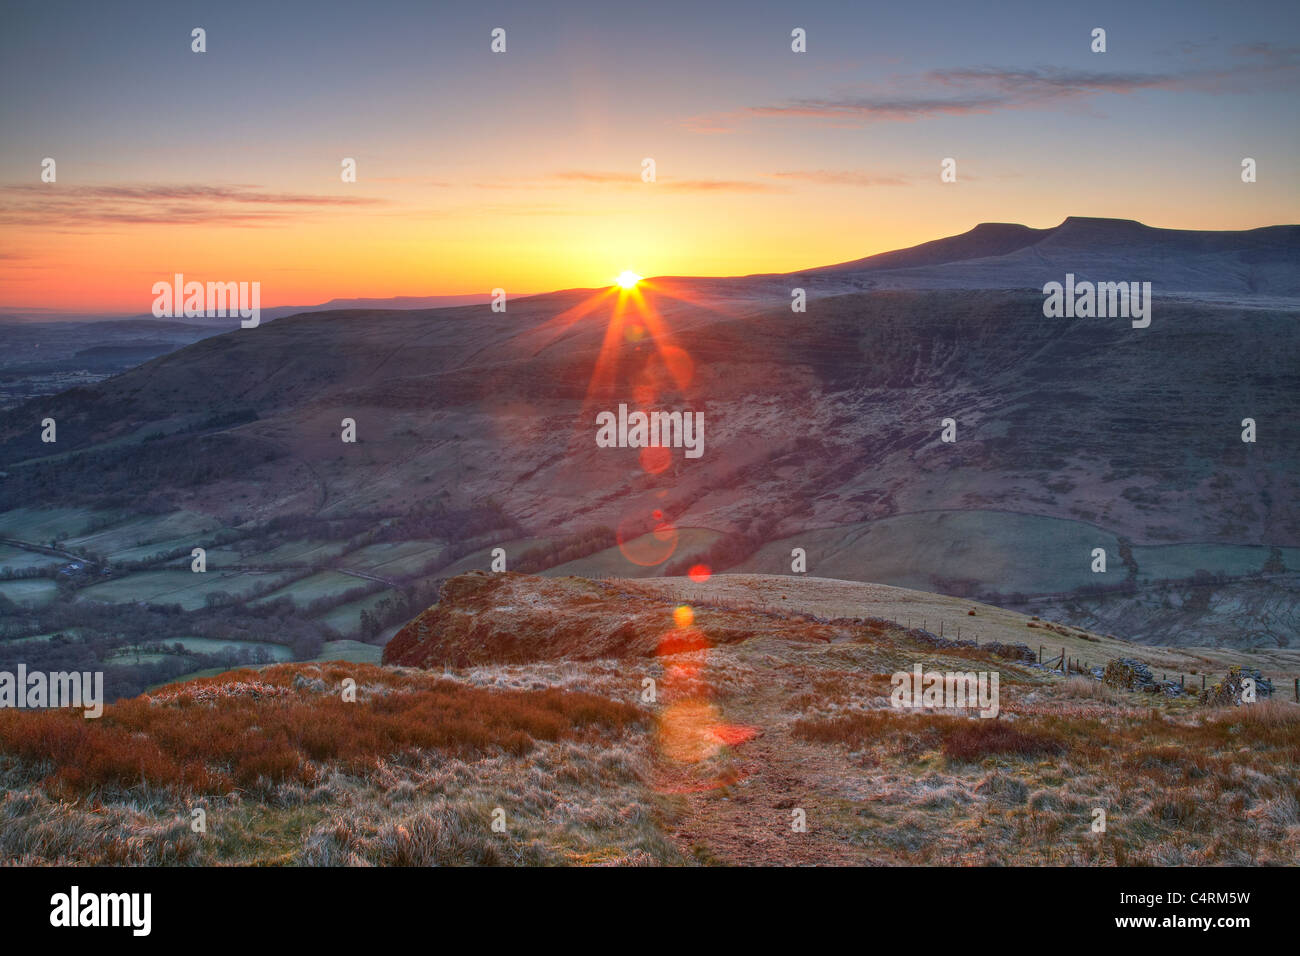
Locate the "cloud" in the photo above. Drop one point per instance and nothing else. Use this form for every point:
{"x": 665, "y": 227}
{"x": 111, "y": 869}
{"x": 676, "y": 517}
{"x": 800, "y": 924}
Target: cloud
{"x": 841, "y": 177}
{"x": 72, "y": 208}
{"x": 979, "y": 90}
{"x": 632, "y": 180}
{"x": 868, "y": 108}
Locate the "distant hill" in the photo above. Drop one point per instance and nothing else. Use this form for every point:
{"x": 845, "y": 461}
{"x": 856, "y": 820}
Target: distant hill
{"x": 1251, "y": 263}
{"x": 821, "y": 421}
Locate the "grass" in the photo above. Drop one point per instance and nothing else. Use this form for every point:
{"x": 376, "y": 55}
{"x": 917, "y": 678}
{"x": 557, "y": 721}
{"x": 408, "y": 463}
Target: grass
{"x": 346, "y": 650}
{"x": 959, "y": 738}
{"x": 177, "y": 586}
{"x": 254, "y": 730}
{"x": 305, "y": 590}
{"x": 568, "y": 770}
{"x": 346, "y": 618}
{"x": 35, "y": 590}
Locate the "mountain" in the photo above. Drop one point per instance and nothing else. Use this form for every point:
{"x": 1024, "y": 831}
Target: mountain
{"x": 1255, "y": 262}
{"x": 822, "y": 428}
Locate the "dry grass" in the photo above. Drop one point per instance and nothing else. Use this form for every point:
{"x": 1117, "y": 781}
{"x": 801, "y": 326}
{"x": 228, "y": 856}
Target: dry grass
{"x": 1077, "y": 686}
{"x": 252, "y": 730}
{"x": 412, "y": 773}
{"x": 974, "y": 740}
{"x": 960, "y": 739}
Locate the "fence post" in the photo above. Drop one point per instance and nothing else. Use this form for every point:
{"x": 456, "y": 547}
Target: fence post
{"x": 1040, "y": 653}
{"x": 1297, "y": 690}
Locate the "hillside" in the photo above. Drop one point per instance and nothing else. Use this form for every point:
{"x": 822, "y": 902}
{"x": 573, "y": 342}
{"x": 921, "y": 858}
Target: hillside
{"x": 822, "y": 432}
{"x": 766, "y": 698}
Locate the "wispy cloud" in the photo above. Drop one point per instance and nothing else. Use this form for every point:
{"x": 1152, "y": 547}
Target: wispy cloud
{"x": 77, "y": 207}
{"x": 842, "y": 177}
{"x": 633, "y": 180}
{"x": 985, "y": 89}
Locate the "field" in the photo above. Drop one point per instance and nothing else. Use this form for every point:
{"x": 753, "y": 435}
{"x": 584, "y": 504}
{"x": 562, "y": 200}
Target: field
{"x": 305, "y": 590}
{"x": 613, "y": 562}
{"x": 353, "y": 651}
{"x": 346, "y": 618}
{"x": 141, "y": 538}
{"x": 395, "y": 558}
{"x": 33, "y": 590}
{"x": 186, "y": 588}
{"x": 18, "y": 559}
{"x": 211, "y": 645}
{"x": 998, "y": 551}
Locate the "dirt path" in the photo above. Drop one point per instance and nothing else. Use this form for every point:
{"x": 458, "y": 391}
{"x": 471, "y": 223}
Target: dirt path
{"x": 741, "y": 782}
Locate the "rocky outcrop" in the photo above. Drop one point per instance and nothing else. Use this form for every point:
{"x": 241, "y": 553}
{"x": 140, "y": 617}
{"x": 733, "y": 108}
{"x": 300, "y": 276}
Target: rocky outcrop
{"x": 1128, "y": 673}
{"x": 510, "y": 618}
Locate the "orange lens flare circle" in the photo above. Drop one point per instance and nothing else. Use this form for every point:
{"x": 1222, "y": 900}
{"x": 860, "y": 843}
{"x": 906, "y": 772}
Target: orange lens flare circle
{"x": 646, "y": 540}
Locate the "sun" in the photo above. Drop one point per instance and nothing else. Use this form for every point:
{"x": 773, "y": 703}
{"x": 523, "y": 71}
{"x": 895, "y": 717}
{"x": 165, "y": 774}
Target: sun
{"x": 628, "y": 279}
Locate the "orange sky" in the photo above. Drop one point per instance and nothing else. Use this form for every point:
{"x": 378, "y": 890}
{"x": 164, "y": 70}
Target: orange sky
{"x": 523, "y": 170}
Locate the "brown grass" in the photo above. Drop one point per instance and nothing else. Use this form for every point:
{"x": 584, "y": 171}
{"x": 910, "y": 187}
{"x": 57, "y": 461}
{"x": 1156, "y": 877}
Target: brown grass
{"x": 976, "y": 739}
{"x": 961, "y": 739}
{"x": 246, "y": 729}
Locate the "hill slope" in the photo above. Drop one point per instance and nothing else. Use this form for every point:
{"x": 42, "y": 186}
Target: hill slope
{"x": 815, "y": 422}
{"x": 700, "y": 746}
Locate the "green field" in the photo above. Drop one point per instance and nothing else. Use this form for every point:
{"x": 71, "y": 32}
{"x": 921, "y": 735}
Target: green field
{"x": 307, "y": 552}
{"x": 41, "y": 525}
{"x": 353, "y": 651}
{"x": 999, "y": 551}
{"x": 36, "y": 590}
{"x": 1184, "y": 560}
{"x": 612, "y": 562}
{"x": 213, "y": 645}
{"x": 20, "y": 559}
{"x": 312, "y": 587}
{"x": 175, "y": 586}
{"x": 128, "y": 655}
{"x": 346, "y": 618}
{"x": 140, "y": 538}
{"x": 394, "y": 558}
{"x": 481, "y": 560}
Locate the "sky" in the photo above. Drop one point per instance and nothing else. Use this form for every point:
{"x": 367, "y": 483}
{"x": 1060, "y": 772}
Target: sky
{"x": 522, "y": 170}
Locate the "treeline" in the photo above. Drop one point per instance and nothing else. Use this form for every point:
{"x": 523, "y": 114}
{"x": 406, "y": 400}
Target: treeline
{"x": 87, "y": 636}
{"x": 450, "y": 524}
{"x": 398, "y": 609}
{"x": 566, "y": 549}
{"x": 113, "y": 477}
{"x": 728, "y": 551}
